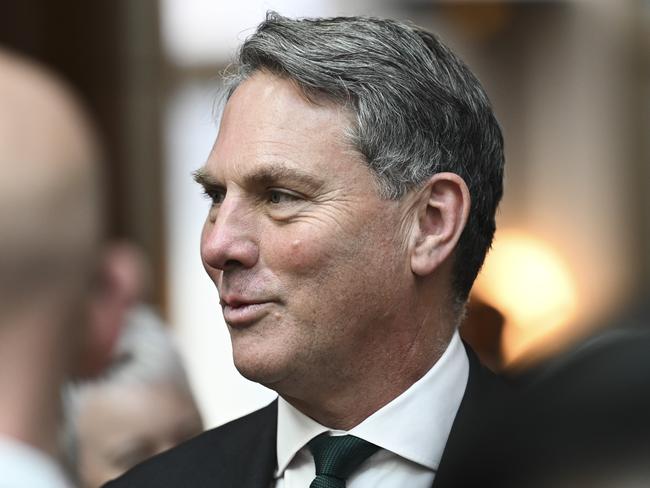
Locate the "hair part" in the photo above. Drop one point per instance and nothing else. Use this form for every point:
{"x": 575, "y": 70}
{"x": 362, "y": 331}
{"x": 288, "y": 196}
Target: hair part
{"x": 417, "y": 109}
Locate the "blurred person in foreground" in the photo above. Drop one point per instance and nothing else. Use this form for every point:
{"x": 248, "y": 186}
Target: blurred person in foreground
{"x": 61, "y": 299}
{"x": 353, "y": 188}
{"x": 583, "y": 420}
{"x": 141, "y": 406}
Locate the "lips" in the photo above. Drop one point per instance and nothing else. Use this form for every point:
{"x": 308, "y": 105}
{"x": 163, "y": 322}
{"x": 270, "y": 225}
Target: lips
{"x": 235, "y": 301}
{"x": 239, "y": 311}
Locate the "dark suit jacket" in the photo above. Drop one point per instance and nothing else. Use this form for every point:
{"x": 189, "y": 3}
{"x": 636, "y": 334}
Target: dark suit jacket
{"x": 241, "y": 454}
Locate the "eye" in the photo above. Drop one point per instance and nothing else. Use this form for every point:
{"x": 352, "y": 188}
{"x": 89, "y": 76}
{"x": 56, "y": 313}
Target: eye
{"x": 278, "y": 197}
{"x": 216, "y": 195}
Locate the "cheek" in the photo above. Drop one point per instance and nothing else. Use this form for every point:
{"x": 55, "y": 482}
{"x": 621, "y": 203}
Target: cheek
{"x": 307, "y": 256}
{"x": 323, "y": 254}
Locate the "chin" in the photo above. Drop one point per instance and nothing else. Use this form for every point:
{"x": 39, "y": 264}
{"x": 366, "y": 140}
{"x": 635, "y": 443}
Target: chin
{"x": 260, "y": 367}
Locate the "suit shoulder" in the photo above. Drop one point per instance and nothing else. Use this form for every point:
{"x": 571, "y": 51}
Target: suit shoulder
{"x": 485, "y": 394}
{"x": 483, "y": 386}
{"x": 208, "y": 458}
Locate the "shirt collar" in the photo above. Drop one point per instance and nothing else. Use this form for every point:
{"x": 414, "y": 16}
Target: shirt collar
{"x": 420, "y": 419}
{"x": 295, "y": 430}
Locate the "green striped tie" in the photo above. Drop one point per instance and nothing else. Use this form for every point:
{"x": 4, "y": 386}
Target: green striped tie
{"x": 336, "y": 457}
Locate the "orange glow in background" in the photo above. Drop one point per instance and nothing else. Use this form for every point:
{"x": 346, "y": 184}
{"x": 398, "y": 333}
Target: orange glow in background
{"x": 533, "y": 287}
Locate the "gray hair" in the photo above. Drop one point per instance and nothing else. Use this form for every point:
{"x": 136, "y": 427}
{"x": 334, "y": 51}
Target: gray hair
{"x": 417, "y": 108}
{"x": 145, "y": 354}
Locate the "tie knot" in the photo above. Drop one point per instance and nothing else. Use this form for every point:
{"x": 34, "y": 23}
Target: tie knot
{"x": 339, "y": 456}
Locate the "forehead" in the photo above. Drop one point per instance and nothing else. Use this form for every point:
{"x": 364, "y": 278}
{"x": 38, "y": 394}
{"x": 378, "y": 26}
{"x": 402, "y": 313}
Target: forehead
{"x": 268, "y": 121}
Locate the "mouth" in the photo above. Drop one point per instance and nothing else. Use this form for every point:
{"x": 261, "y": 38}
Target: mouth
{"x": 240, "y": 312}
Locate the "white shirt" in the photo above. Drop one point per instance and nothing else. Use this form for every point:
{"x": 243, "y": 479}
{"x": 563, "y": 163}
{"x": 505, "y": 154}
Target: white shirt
{"x": 411, "y": 431}
{"x": 23, "y": 466}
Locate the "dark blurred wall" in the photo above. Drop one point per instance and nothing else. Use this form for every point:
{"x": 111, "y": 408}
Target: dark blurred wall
{"x": 108, "y": 50}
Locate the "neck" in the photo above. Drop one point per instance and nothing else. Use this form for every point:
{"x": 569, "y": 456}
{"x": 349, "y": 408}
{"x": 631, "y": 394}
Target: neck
{"x": 347, "y": 394}
{"x": 31, "y": 374}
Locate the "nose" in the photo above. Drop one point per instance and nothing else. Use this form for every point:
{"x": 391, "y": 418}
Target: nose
{"x": 229, "y": 238}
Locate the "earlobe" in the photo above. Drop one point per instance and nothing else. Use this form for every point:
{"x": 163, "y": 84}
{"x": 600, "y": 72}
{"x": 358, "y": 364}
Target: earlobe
{"x": 443, "y": 209}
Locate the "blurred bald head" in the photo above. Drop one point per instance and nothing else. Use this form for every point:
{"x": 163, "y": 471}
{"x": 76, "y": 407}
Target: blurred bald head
{"x": 49, "y": 204}
{"x": 63, "y": 295}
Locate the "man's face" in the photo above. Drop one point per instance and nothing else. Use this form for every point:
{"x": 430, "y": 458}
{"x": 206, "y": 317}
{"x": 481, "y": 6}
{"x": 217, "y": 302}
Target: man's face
{"x": 307, "y": 258}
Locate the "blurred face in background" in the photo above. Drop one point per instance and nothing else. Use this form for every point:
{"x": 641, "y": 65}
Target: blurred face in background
{"x": 119, "y": 426}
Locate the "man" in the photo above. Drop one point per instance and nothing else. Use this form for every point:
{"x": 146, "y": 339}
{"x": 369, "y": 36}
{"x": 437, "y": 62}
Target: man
{"x": 353, "y": 187}
{"x": 60, "y": 296}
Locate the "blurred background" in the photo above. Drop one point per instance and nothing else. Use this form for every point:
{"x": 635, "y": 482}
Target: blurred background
{"x": 570, "y": 83}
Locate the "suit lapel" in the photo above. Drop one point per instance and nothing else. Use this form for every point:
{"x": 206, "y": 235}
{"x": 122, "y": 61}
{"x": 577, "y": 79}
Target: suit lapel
{"x": 484, "y": 390}
{"x": 254, "y": 464}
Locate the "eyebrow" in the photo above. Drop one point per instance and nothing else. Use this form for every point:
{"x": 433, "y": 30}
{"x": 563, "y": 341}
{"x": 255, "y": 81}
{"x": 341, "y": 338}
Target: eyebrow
{"x": 203, "y": 178}
{"x": 267, "y": 176}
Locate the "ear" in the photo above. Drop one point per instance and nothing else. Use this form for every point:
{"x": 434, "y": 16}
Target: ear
{"x": 443, "y": 209}
{"x": 116, "y": 292}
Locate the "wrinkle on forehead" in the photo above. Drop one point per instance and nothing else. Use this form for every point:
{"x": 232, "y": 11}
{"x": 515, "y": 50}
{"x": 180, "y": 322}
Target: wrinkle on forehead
{"x": 268, "y": 125}
{"x": 288, "y": 102}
